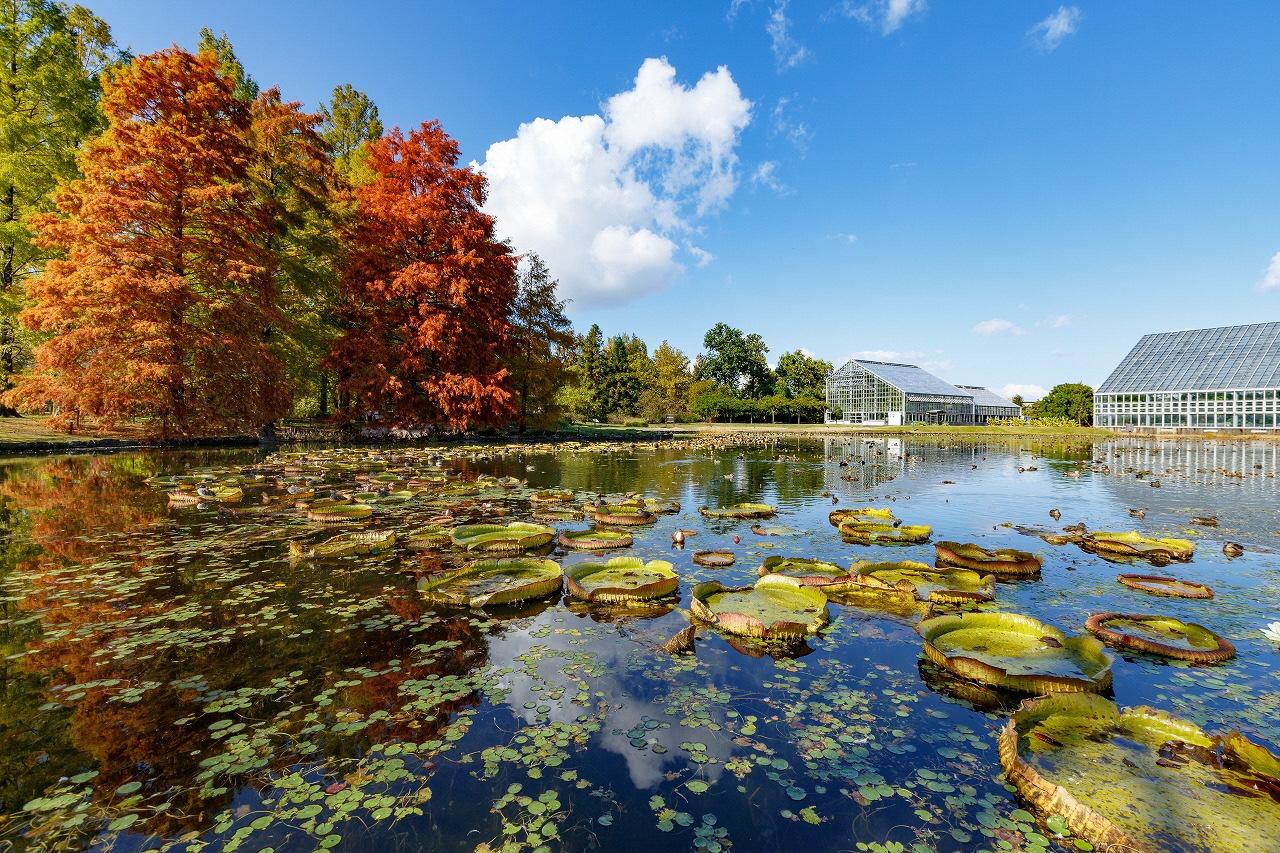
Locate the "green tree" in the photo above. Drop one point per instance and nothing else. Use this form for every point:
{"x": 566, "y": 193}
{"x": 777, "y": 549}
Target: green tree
{"x": 350, "y": 120}
{"x": 736, "y": 360}
{"x": 667, "y": 393}
{"x": 1017, "y": 400}
{"x": 541, "y": 342}
{"x": 245, "y": 87}
{"x": 1072, "y": 400}
{"x": 589, "y": 365}
{"x": 800, "y": 375}
{"x": 619, "y": 385}
{"x": 50, "y": 57}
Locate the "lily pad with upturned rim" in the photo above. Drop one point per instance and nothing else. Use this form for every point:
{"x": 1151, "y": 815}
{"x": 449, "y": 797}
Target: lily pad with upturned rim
{"x": 1001, "y": 562}
{"x": 346, "y": 544}
{"x": 621, "y": 580}
{"x": 878, "y": 515}
{"x": 714, "y": 559}
{"x": 776, "y": 607}
{"x": 742, "y": 510}
{"x": 516, "y": 536}
{"x": 487, "y": 583}
{"x": 595, "y": 540}
{"x": 427, "y": 537}
{"x": 913, "y": 581}
{"x": 808, "y": 571}
{"x": 1160, "y": 635}
{"x": 624, "y": 515}
{"x": 1134, "y": 544}
{"x": 1140, "y": 780}
{"x": 876, "y": 533}
{"x": 1166, "y": 586}
{"x": 1016, "y": 652}
{"x": 335, "y": 512}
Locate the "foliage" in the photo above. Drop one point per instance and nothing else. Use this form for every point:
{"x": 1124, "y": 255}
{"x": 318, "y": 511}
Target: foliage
{"x": 800, "y": 375}
{"x": 245, "y": 87}
{"x": 1072, "y": 400}
{"x": 350, "y": 122}
{"x": 50, "y": 56}
{"x": 423, "y": 274}
{"x": 541, "y": 340}
{"x": 667, "y": 391}
{"x": 619, "y": 389}
{"x": 736, "y": 360}
{"x": 158, "y": 309}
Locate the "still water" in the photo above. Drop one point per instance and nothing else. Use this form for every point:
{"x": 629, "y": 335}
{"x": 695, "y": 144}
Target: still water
{"x": 169, "y": 679}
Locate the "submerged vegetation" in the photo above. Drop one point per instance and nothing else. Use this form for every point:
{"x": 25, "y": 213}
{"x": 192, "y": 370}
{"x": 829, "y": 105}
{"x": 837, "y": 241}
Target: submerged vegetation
{"x": 336, "y": 660}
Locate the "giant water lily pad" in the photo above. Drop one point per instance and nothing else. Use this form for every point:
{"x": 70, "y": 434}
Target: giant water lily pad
{"x": 192, "y": 494}
{"x": 595, "y": 540}
{"x": 516, "y": 536}
{"x": 346, "y": 544}
{"x": 488, "y": 583}
{"x": 742, "y": 510}
{"x": 621, "y": 580}
{"x": 877, "y": 533}
{"x": 878, "y": 515}
{"x": 552, "y": 496}
{"x": 624, "y": 514}
{"x": 1140, "y": 779}
{"x": 1016, "y": 652}
{"x": 777, "y": 606}
{"x": 1160, "y": 635}
{"x": 1134, "y": 544}
{"x": 1169, "y": 587}
{"x": 913, "y": 581}
{"x": 337, "y": 512}
{"x": 1001, "y": 562}
{"x": 808, "y": 571}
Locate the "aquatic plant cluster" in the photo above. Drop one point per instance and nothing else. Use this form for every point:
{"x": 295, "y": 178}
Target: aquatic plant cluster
{"x": 534, "y": 647}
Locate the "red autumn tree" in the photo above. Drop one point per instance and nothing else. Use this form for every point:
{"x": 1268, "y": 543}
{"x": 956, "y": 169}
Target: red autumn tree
{"x": 426, "y": 290}
{"x": 160, "y": 307}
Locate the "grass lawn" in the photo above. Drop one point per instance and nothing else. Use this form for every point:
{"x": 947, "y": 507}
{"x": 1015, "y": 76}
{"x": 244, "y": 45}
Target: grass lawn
{"x": 25, "y": 430}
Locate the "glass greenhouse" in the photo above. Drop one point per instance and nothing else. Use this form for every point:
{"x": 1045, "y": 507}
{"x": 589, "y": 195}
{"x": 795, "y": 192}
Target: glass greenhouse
{"x": 1223, "y": 378}
{"x": 887, "y": 393}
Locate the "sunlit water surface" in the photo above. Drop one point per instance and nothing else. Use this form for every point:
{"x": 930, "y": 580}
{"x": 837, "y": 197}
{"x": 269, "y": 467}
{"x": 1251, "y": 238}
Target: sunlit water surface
{"x": 169, "y": 679}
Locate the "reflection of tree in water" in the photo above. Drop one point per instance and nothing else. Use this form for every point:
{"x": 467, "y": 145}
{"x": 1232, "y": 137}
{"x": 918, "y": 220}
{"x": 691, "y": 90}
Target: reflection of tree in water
{"x": 147, "y": 645}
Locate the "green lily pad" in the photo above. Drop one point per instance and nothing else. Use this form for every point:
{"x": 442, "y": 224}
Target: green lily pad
{"x": 598, "y": 539}
{"x": 1134, "y": 544}
{"x": 1015, "y": 652}
{"x": 1001, "y": 562}
{"x": 777, "y": 606}
{"x": 1140, "y": 779}
{"x": 879, "y": 533}
{"x": 913, "y": 581}
{"x": 346, "y": 544}
{"x": 742, "y": 510}
{"x": 516, "y": 536}
{"x": 1160, "y": 635}
{"x": 621, "y": 579}
{"x": 494, "y": 582}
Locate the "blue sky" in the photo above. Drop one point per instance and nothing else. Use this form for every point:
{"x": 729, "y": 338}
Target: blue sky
{"x": 1009, "y": 193}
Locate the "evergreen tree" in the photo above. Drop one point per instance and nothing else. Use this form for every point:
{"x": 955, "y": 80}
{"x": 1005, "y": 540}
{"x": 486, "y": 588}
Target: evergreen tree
{"x": 541, "y": 341}
{"x": 590, "y": 368}
{"x": 620, "y": 387}
{"x": 245, "y": 87}
{"x": 349, "y": 122}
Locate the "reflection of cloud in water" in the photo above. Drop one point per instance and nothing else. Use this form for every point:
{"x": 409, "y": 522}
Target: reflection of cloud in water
{"x": 627, "y": 709}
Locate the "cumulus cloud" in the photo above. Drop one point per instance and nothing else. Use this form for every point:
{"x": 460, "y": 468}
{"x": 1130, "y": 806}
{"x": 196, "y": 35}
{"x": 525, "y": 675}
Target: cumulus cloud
{"x": 787, "y": 50}
{"x": 1271, "y": 281}
{"x": 1050, "y": 32}
{"x": 933, "y": 363}
{"x": 843, "y": 236}
{"x": 1028, "y": 392}
{"x": 997, "y": 326}
{"x": 885, "y": 15}
{"x": 608, "y": 199}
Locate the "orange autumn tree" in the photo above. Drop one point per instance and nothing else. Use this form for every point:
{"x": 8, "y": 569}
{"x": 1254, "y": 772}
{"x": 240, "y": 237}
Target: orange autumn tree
{"x": 160, "y": 305}
{"x": 426, "y": 291}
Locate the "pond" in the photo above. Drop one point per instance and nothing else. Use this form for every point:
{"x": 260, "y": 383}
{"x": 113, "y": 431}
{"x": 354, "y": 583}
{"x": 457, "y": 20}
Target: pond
{"x": 177, "y": 676}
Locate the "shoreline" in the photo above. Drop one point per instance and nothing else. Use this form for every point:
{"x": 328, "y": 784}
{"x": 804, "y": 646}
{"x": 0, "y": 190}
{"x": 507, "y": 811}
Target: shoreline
{"x": 604, "y": 433}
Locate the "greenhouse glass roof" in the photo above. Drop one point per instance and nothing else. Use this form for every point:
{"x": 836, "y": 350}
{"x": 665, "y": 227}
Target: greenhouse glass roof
{"x": 986, "y": 397}
{"x": 911, "y": 379}
{"x": 1199, "y": 360}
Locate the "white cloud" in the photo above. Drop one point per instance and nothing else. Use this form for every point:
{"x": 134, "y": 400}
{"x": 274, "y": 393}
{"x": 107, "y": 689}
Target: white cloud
{"x": 701, "y": 257}
{"x": 997, "y": 326}
{"x": 605, "y": 198}
{"x": 1060, "y": 321}
{"x": 1028, "y": 392}
{"x": 766, "y": 175}
{"x": 781, "y": 124}
{"x": 1050, "y": 32}
{"x": 1271, "y": 281}
{"x": 786, "y": 49}
{"x": 885, "y": 15}
{"x": 843, "y": 237}
{"x": 735, "y": 6}
{"x": 933, "y": 363}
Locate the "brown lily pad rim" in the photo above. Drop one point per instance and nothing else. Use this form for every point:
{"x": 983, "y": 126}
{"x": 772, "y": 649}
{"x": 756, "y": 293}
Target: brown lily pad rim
{"x": 664, "y": 581}
{"x": 749, "y": 626}
{"x": 1001, "y": 562}
{"x": 1162, "y": 585}
{"x": 1097, "y": 625}
{"x": 591, "y": 540}
{"x": 625, "y": 516}
{"x": 714, "y": 558}
{"x": 1049, "y": 798}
